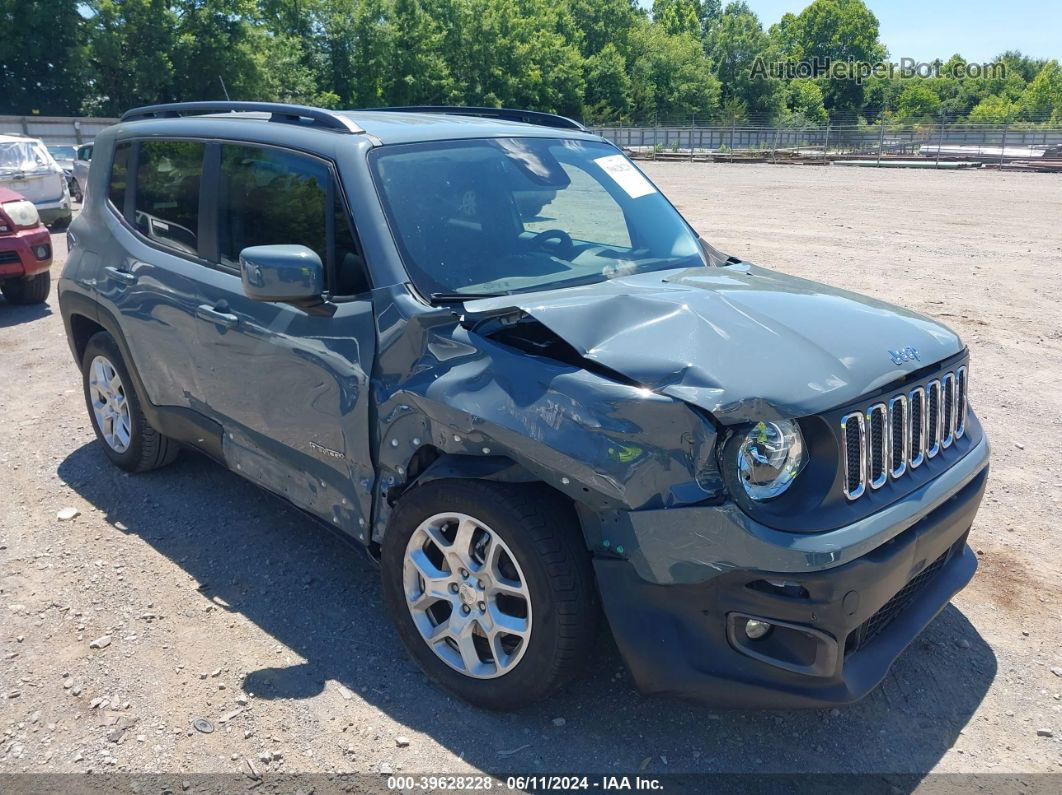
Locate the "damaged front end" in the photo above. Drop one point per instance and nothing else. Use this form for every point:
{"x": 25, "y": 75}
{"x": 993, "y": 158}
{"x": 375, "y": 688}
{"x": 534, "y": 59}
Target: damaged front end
{"x": 496, "y": 395}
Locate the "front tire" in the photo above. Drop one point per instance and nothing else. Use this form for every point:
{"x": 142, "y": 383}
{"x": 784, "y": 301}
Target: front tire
{"x": 28, "y": 289}
{"x": 115, "y": 410}
{"x": 490, "y": 588}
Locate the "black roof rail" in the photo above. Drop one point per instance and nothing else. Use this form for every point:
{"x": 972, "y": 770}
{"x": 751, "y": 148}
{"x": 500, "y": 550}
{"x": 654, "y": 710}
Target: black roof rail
{"x": 279, "y": 112}
{"x": 505, "y": 114}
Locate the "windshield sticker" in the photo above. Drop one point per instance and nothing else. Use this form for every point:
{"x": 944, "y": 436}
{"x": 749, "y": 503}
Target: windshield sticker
{"x": 626, "y": 175}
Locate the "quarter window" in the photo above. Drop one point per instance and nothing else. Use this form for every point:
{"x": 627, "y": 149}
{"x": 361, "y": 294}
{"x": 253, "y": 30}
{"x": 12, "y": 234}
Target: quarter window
{"x": 167, "y": 193}
{"x": 119, "y": 177}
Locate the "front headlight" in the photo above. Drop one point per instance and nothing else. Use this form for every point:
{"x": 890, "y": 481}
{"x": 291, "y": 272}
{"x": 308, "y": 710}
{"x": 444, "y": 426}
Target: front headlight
{"x": 770, "y": 457}
{"x": 22, "y": 213}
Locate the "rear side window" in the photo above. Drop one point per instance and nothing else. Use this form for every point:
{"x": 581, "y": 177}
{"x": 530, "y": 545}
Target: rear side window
{"x": 119, "y": 177}
{"x": 167, "y": 193}
{"x": 269, "y": 196}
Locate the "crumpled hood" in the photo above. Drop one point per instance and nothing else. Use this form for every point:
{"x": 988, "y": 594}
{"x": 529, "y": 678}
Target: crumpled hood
{"x": 742, "y": 342}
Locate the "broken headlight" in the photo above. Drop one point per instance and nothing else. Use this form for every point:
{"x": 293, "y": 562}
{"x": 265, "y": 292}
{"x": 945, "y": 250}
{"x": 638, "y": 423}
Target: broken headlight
{"x": 770, "y": 457}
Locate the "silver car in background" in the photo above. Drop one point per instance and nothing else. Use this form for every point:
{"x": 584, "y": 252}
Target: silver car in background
{"x": 26, "y": 167}
{"x": 64, "y": 155}
{"x": 81, "y": 167}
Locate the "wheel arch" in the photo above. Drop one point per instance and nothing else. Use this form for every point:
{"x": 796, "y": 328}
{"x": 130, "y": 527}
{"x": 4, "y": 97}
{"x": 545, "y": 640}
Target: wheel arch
{"x": 83, "y": 318}
{"x": 429, "y": 464}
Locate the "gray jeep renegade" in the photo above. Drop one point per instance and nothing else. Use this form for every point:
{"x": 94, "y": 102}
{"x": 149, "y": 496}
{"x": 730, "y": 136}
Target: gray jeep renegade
{"x": 482, "y": 344}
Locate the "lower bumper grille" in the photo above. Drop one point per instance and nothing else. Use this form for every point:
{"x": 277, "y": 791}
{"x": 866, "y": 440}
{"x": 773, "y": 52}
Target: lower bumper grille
{"x": 8, "y": 257}
{"x": 873, "y": 626}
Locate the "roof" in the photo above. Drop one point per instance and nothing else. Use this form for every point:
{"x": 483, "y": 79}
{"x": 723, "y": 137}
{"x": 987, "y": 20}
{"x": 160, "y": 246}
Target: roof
{"x": 393, "y": 127}
{"x": 14, "y": 138}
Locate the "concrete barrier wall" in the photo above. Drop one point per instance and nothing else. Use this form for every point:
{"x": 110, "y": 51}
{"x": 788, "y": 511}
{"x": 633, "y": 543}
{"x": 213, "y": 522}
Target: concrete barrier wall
{"x": 55, "y": 129}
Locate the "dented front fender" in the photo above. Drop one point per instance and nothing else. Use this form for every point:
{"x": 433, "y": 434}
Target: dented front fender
{"x": 607, "y": 444}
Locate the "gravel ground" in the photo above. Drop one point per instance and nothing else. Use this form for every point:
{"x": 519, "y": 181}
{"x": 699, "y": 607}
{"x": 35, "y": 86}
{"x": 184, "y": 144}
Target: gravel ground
{"x": 188, "y": 593}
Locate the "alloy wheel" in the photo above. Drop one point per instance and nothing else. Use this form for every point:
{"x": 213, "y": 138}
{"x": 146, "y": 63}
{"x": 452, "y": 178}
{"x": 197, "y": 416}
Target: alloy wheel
{"x": 109, "y": 404}
{"x": 467, "y": 595}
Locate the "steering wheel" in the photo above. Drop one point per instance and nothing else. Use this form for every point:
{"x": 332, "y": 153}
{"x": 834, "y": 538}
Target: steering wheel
{"x": 566, "y": 250}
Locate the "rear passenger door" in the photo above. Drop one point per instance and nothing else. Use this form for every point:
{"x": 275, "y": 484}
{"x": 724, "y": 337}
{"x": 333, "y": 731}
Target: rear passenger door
{"x": 149, "y": 278}
{"x": 288, "y": 383}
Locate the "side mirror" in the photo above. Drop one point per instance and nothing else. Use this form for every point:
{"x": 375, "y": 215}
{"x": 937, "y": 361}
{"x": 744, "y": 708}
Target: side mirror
{"x": 281, "y": 273}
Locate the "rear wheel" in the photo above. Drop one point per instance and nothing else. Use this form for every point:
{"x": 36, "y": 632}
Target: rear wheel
{"x": 115, "y": 410}
{"x": 28, "y": 289}
{"x": 490, "y": 588}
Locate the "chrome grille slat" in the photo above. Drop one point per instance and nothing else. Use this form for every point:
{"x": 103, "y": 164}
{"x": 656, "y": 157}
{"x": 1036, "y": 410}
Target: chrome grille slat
{"x": 900, "y": 440}
{"x": 877, "y": 446}
{"x": 947, "y": 410}
{"x": 960, "y": 402}
{"x": 932, "y": 418}
{"x": 918, "y": 427}
{"x": 889, "y": 438}
{"x": 855, "y": 458}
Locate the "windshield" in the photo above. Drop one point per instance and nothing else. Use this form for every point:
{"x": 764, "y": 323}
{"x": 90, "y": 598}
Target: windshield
{"x": 22, "y": 156}
{"x": 494, "y": 216}
{"x": 62, "y": 152}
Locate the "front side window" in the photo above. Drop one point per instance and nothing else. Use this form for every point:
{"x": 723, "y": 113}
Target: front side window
{"x": 269, "y": 196}
{"x": 509, "y": 215}
{"x": 167, "y": 193}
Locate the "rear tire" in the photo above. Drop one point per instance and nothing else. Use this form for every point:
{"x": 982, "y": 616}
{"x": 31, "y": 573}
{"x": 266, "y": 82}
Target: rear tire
{"x": 114, "y": 409}
{"x": 541, "y": 553}
{"x": 28, "y": 289}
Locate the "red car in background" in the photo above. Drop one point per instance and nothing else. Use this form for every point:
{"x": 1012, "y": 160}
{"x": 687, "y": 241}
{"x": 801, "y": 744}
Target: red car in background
{"x": 25, "y": 251}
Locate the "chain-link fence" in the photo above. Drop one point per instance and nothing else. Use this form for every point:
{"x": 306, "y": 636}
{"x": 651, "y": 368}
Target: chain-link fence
{"x": 884, "y": 142}
{"x": 1036, "y": 146}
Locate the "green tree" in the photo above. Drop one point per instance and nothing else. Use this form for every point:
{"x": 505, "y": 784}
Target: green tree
{"x": 1042, "y": 98}
{"x": 994, "y": 110}
{"x": 41, "y": 57}
{"x": 678, "y": 16}
{"x": 214, "y": 54}
{"x": 671, "y": 78}
{"x": 130, "y": 54}
{"x": 917, "y": 101}
{"x": 734, "y": 43}
{"x": 419, "y": 73}
{"x": 833, "y": 30}
{"x": 1021, "y": 65}
{"x": 603, "y": 22}
{"x": 608, "y": 87}
{"x": 805, "y": 101}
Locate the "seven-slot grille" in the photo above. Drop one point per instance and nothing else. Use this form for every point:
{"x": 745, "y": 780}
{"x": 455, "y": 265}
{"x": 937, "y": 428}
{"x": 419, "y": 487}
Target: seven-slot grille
{"x": 888, "y": 438}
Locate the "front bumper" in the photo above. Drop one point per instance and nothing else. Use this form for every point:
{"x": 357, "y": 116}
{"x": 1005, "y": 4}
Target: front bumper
{"x": 844, "y": 604}
{"x": 19, "y": 253}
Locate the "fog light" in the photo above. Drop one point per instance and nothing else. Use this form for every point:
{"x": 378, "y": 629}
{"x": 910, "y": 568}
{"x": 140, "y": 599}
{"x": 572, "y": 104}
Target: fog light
{"x": 41, "y": 252}
{"x": 756, "y": 629}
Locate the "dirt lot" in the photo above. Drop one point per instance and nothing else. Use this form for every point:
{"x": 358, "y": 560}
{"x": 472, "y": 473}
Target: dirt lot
{"x": 222, "y": 603}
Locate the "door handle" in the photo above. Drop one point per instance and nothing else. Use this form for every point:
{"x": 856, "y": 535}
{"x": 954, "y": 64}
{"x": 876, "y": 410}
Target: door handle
{"x": 125, "y": 277}
{"x": 216, "y": 316}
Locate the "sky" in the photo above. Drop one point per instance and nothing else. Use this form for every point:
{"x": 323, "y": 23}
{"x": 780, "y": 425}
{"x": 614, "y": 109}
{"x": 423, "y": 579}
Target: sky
{"x": 926, "y": 29}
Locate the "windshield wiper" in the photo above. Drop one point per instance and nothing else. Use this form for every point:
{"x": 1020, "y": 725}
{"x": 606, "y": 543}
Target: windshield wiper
{"x": 445, "y": 298}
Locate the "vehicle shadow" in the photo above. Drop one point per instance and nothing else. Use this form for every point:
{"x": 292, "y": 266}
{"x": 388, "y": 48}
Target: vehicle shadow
{"x": 320, "y": 597}
{"x": 17, "y": 314}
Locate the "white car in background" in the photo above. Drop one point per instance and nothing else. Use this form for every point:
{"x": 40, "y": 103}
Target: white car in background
{"x": 26, "y": 167}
